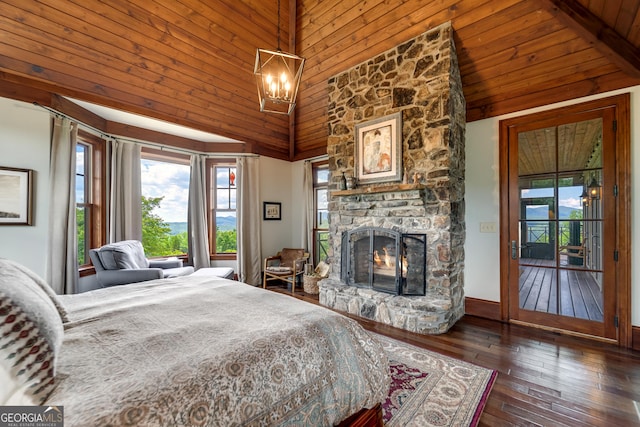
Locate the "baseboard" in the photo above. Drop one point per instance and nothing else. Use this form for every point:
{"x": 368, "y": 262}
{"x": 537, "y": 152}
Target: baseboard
{"x": 482, "y": 308}
{"x": 635, "y": 337}
{"x": 491, "y": 310}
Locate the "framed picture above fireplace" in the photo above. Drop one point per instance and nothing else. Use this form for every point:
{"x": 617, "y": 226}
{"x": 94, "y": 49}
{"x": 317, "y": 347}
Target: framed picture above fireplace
{"x": 378, "y": 154}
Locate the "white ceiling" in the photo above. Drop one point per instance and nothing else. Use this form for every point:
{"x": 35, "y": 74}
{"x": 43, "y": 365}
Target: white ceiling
{"x": 149, "y": 123}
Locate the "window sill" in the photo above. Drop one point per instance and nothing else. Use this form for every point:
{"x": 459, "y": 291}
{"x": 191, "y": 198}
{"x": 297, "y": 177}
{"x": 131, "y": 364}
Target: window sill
{"x": 228, "y": 257}
{"x": 86, "y": 270}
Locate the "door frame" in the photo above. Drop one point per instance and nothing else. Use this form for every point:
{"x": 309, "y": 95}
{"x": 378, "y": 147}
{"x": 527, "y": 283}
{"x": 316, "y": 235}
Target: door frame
{"x": 622, "y": 117}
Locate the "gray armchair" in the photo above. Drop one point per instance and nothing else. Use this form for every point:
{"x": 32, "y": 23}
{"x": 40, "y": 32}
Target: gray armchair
{"x": 124, "y": 262}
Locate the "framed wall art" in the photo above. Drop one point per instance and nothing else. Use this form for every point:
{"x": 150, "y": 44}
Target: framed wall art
{"x": 271, "y": 211}
{"x": 378, "y": 154}
{"x": 15, "y": 196}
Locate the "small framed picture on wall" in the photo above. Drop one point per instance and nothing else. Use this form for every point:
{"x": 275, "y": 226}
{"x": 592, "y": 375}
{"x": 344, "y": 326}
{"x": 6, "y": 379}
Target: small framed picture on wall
{"x": 15, "y": 196}
{"x": 271, "y": 211}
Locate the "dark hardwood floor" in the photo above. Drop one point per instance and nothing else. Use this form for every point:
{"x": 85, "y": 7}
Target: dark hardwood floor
{"x": 544, "y": 379}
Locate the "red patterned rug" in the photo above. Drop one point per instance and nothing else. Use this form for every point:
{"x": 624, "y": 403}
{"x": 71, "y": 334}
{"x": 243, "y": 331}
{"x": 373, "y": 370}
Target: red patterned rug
{"x": 429, "y": 389}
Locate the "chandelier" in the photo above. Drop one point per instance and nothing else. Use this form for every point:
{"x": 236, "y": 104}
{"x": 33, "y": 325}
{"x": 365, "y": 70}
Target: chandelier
{"x": 278, "y": 77}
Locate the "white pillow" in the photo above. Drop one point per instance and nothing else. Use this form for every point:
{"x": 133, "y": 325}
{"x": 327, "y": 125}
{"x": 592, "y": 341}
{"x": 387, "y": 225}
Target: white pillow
{"x": 31, "y": 334}
{"x": 12, "y": 391}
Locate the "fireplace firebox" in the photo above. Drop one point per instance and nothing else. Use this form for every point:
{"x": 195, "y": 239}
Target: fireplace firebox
{"x": 385, "y": 260}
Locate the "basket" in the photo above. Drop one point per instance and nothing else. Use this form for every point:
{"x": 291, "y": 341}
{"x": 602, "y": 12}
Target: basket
{"x": 310, "y": 284}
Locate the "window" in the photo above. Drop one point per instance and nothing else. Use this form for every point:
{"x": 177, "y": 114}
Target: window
{"x": 321, "y": 209}
{"x": 165, "y": 199}
{"x": 221, "y": 182}
{"x": 90, "y": 195}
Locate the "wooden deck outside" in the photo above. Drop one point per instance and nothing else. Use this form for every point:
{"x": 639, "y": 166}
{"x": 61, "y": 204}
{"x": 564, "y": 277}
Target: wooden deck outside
{"x": 579, "y": 295}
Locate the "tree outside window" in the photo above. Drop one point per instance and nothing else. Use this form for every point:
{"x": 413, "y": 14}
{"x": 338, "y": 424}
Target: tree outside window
{"x": 165, "y": 198}
{"x": 321, "y": 209}
{"x": 83, "y": 199}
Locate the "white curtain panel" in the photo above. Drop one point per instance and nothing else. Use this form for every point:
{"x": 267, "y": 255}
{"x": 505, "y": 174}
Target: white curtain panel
{"x": 308, "y": 212}
{"x": 62, "y": 256}
{"x": 198, "y": 229}
{"x": 249, "y": 220}
{"x": 125, "y": 215}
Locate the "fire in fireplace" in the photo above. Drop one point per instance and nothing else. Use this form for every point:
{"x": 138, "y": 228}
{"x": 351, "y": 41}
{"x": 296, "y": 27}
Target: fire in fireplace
{"x": 384, "y": 260}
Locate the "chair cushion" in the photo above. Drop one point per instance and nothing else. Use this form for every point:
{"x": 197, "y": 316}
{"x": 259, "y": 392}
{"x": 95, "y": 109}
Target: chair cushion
{"x": 127, "y": 254}
{"x": 31, "y": 334}
{"x": 279, "y": 270}
{"x": 289, "y": 256}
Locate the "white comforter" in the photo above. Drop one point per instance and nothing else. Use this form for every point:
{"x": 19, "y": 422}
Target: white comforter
{"x": 208, "y": 351}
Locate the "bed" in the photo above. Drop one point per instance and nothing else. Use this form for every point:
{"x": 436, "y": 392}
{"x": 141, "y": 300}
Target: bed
{"x": 202, "y": 351}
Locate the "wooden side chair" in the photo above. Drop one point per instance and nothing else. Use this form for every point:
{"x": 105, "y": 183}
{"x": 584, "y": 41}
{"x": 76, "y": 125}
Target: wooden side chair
{"x": 287, "y": 265}
{"x": 578, "y": 253}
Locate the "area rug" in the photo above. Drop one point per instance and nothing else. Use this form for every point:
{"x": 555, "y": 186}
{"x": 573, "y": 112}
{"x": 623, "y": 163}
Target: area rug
{"x": 429, "y": 389}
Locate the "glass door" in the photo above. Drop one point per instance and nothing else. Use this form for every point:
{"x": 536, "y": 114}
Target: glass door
{"x": 562, "y": 223}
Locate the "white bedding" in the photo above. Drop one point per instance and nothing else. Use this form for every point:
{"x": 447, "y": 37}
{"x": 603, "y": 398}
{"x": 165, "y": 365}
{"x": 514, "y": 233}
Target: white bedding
{"x": 210, "y": 351}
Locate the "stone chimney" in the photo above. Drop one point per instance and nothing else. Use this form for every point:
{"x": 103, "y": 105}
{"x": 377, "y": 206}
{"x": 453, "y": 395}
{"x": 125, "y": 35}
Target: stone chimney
{"x": 419, "y": 79}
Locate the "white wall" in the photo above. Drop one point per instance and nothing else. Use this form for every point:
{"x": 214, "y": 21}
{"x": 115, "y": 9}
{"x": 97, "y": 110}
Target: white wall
{"x": 482, "y": 270}
{"x": 24, "y": 144}
{"x": 276, "y": 183}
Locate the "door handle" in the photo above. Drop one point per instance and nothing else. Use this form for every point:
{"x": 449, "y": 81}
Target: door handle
{"x": 514, "y": 249}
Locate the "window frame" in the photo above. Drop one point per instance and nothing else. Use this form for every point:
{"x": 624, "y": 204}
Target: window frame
{"x": 159, "y": 155}
{"x": 211, "y": 164}
{"x": 95, "y": 196}
{"x": 315, "y": 167}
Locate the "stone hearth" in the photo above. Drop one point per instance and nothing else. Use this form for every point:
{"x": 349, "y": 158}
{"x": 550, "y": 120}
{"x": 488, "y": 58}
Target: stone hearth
{"x": 421, "y": 80}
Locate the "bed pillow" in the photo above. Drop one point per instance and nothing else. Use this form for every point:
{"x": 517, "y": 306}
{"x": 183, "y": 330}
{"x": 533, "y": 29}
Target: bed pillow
{"x": 6, "y": 263}
{"x": 31, "y": 334}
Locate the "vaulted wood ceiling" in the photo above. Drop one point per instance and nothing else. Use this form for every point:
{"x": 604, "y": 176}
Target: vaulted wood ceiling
{"x": 191, "y": 62}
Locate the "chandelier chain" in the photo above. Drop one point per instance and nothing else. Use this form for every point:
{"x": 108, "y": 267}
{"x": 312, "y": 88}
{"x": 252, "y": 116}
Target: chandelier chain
{"x": 279, "y": 26}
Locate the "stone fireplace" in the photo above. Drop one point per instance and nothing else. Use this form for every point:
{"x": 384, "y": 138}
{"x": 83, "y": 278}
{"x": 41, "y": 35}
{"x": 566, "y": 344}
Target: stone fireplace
{"x": 419, "y": 79}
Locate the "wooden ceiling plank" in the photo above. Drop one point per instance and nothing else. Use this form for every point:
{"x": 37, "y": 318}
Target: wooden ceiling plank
{"x": 556, "y": 44}
{"x": 558, "y": 84}
{"x": 98, "y": 55}
{"x": 473, "y": 51}
{"x": 625, "y": 18}
{"x": 596, "y": 31}
{"x": 596, "y": 6}
{"x": 164, "y": 111}
{"x": 172, "y": 54}
{"x": 71, "y": 76}
{"x": 495, "y": 26}
{"x": 483, "y": 109}
{"x": 223, "y": 108}
{"x": 526, "y": 56}
{"x": 337, "y": 22}
{"x": 586, "y": 61}
{"x": 634, "y": 32}
{"x": 233, "y": 90}
{"x": 351, "y": 44}
{"x": 610, "y": 13}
